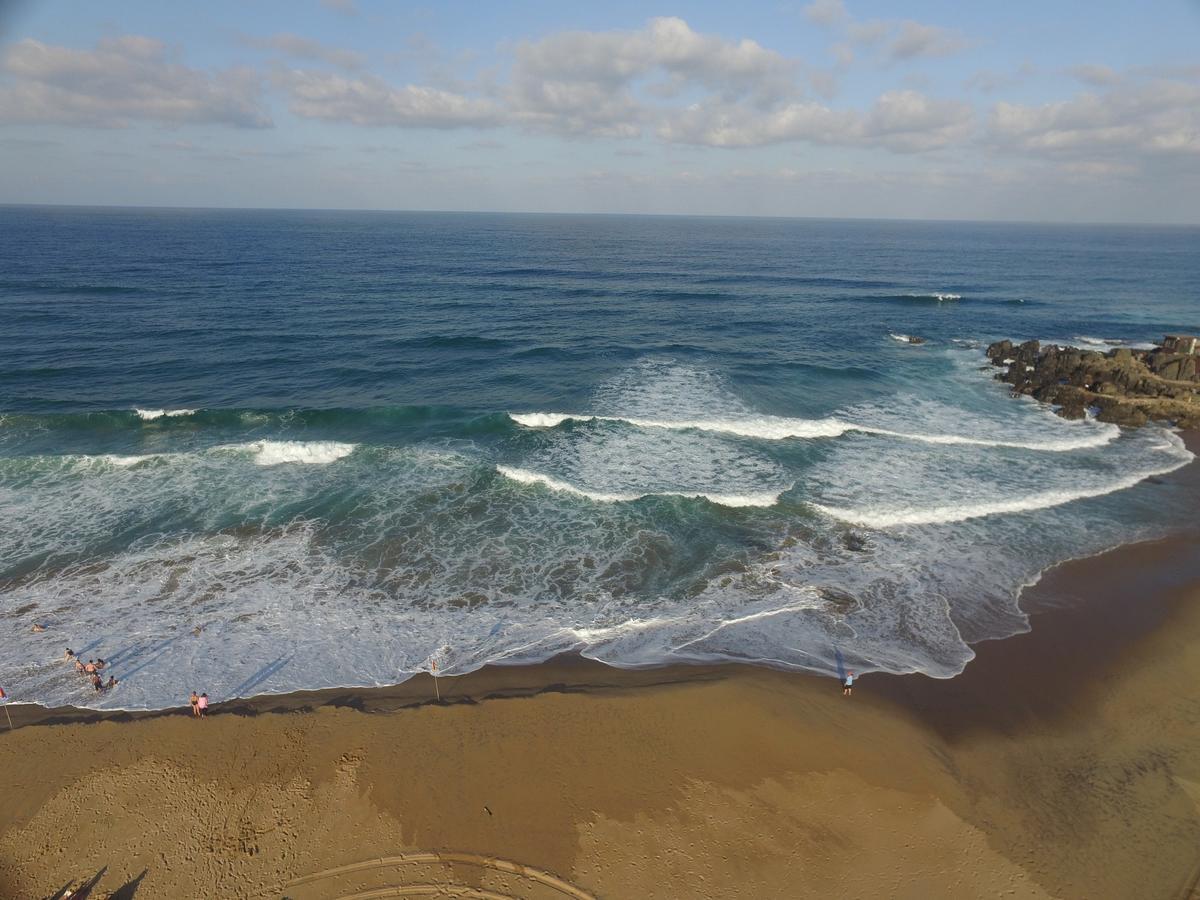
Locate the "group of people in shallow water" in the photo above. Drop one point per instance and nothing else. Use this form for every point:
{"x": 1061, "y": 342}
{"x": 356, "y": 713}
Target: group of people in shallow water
{"x": 92, "y": 669}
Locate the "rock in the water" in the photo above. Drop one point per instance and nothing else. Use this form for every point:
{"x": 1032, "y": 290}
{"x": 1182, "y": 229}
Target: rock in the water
{"x": 1128, "y": 387}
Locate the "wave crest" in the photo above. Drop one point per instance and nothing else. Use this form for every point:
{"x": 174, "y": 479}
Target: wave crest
{"x": 149, "y": 415}
{"x": 525, "y": 476}
{"x": 273, "y": 453}
{"x": 775, "y": 428}
{"x": 875, "y": 517}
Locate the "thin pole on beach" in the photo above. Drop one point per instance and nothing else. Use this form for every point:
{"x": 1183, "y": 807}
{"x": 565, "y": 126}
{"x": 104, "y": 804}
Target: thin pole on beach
{"x": 436, "y": 690}
{"x": 8, "y": 716}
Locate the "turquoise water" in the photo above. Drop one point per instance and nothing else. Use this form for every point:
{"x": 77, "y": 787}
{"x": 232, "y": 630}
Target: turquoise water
{"x": 260, "y": 451}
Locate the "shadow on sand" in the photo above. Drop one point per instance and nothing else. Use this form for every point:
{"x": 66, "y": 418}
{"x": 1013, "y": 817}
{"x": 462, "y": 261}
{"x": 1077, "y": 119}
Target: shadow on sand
{"x": 127, "y": 891}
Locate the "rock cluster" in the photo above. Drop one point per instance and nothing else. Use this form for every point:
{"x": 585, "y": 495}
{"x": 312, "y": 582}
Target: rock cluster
{"x": 1124, "y": 386}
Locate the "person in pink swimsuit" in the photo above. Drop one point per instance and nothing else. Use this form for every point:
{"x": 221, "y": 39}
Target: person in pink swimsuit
{"x": 202, "y": 706}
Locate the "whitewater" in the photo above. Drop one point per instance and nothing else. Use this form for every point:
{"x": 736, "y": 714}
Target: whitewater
{"x": 380, "y": 442}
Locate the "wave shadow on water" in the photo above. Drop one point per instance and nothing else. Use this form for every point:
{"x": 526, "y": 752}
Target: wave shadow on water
{"x": 261, "y": 675}
{"x": 151, "y": 653}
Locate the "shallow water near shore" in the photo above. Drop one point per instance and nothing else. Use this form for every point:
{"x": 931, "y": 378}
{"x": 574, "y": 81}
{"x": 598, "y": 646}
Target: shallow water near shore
{"x": 261, "y": 452}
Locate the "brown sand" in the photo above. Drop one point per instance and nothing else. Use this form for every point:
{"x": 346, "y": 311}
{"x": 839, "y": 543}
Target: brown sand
{"x": 1063, "y": 763}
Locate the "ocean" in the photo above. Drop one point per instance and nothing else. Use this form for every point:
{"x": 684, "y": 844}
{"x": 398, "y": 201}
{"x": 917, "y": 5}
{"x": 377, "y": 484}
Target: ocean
{"x": 259, "y": 451}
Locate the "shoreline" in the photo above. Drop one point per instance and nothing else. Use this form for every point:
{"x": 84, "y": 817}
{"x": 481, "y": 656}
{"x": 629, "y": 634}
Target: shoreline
{"x": 1104, "y": 622}
{"x": 1052, "y": 604}
{"x": 636, "y": 783}
{"x": 1063, "y": 762}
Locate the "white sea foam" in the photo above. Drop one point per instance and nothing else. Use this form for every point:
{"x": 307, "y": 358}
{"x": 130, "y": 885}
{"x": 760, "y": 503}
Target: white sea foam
{"x": 902, "y": 338}
{"x": 100, "y": 460}
{"x": 1085, "y": 342}
{"x": 939, "y": 296}
{"x": 442, "y": 557}
{"x": 266, "y": 453}
{"x": 125, "y": 461}
{"x": 525, "y": 476}
{"x": 546, "y": 420}
{"x": 273, "y": 453}
{"x": 1097, "y": 436}
{"x": 772, "y": 428}
{"x": 883, "y": 517}
{"x": 775, "y": 428}
{"x": 149, "y": 415}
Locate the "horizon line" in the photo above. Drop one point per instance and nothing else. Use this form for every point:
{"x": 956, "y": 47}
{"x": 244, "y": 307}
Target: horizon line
{"x": 645, "y": 215}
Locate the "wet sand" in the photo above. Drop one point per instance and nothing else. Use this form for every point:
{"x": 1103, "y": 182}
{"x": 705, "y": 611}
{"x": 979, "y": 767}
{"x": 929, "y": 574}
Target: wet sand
{"x": 1063, "y": 763}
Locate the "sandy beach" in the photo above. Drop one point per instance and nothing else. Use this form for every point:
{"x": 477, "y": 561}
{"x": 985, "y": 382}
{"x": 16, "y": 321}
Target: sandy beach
{"x": 1064, "y": 763}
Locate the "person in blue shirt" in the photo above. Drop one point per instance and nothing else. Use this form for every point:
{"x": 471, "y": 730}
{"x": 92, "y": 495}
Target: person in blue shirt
{"x": 848, "y": 685}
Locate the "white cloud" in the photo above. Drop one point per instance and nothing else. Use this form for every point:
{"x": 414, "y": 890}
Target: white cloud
{"x": 904, "y": 39}
{"x": 371, "y": 101}
{"x": 1135, "y": 120}
{"x": 298, "y": 47}
{"x": 122, "y": 80}
{"x": 912, "y": 40}
{"x": 621, "y": 84}
{"x": 870, "y": 32}
{"x": 902, "y": 121}
{"x": 731, "y": 125}
{"x": 593, "y": 74}
{"x": 910, "y": 122}
{"x": 572, "y": 83}
{"x": 826, "y": 12}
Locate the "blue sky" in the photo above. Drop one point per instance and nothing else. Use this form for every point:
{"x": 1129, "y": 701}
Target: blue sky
{"x": 1060, "y": 112}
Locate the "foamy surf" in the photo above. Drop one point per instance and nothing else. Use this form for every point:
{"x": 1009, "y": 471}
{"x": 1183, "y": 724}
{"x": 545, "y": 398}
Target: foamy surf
{"x": 149, "y": 415}
{"x": 1085, "y": 342}
{"x": 1100, "y": 434}
{"x": 274, "y": 453}
{"x": 766, "y": 427}
{"x": 773, "y": 428}
{"x": 881, "y": 518}
{"x": 125, "y": 461}
{"x": 525, "y": 476}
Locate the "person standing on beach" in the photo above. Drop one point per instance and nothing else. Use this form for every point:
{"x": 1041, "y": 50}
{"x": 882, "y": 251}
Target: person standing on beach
{"x": 202, "y": 705}
{"x": 195, "y": 701}
{"x": 848, "y": 685}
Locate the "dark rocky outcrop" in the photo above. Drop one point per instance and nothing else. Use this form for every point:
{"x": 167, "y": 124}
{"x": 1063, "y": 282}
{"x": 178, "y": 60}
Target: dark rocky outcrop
{"x": 1124, "y": 386}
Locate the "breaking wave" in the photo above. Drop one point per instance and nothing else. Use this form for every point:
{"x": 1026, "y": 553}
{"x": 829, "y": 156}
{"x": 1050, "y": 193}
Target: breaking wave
{"x": 1084, "y": 342}
{"x": 316, "y": 453}
{"x": 876, "y": 516}
{"x": 524, "y": 476}
{"x": 149, "y": 415}
{"x": 774, "y": 428}
{"x": 264, "y": 453}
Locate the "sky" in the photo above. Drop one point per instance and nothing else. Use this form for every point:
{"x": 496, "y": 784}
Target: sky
{"x": 1034, "y": 111}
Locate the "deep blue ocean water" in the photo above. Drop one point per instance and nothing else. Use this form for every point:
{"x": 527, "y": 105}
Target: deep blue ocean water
{"x": 248, "y": 451}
